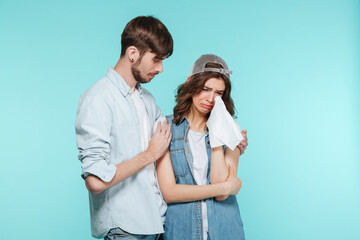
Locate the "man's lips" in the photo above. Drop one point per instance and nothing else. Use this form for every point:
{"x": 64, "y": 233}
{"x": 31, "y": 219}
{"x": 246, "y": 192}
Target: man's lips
{"x": 152, "y": 75}
{"x": 207, "y": 106}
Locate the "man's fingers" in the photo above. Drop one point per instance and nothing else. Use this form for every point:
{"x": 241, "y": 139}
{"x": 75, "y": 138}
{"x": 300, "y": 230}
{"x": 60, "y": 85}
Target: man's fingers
{"x": 168, "y": 130}
{"x": 241, "y": 150}
{"x": 164, "y": 126}
{"x": 158, "y": 127}
{"x": 244, "y": 142}
{"x": 169, "y": 139}
{"x": 244, "y": 134}
{"x": 168, "y": 127}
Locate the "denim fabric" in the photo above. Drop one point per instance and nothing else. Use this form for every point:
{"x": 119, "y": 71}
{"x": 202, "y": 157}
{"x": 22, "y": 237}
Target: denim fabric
{"x": 183, "y": 220}
{"x": 119, "y": 234}
{"x": 108, "y": 133}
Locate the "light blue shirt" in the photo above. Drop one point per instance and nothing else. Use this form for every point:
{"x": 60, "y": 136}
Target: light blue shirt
{"x": 108, "y": 133}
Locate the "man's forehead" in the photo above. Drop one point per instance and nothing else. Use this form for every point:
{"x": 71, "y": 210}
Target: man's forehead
{"x": 156, "y": 56}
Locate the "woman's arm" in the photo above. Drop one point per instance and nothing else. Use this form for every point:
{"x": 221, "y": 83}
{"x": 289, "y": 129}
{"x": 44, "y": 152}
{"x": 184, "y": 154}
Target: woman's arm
{"x": 173, "y": 192}
{"x": 219, "y": 170}
{"x": 220, "y": 162}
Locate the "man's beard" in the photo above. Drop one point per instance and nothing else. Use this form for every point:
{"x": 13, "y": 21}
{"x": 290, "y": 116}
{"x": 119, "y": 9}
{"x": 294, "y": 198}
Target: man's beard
{"x": 137, "y": 75}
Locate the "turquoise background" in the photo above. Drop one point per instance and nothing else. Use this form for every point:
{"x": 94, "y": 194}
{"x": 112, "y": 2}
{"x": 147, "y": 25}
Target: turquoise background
{"x": 296, "y": 90}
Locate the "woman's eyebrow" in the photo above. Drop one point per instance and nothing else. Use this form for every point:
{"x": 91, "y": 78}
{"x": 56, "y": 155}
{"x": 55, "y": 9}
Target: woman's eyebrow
{"x": 212, "y": 89}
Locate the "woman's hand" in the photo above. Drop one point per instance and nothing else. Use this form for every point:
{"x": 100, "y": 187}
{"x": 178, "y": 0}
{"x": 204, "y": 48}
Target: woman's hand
{"x": 233, "y": 181}
{"x": 232, "y": 185}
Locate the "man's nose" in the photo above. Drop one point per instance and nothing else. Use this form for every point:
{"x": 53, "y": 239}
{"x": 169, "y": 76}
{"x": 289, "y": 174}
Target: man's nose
{"x": 159, "y": 67}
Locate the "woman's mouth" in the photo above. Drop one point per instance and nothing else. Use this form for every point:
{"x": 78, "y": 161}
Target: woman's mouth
{"x": 209, "y": 107}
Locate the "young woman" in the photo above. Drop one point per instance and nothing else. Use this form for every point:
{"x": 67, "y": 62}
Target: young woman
{"x": 196, "y": 208}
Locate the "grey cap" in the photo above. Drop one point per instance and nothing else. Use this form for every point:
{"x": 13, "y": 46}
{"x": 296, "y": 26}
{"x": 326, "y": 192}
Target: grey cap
{"x": 199, "y": 65}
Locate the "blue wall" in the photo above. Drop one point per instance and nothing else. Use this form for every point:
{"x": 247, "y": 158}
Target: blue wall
{"x": 296, "y": 89}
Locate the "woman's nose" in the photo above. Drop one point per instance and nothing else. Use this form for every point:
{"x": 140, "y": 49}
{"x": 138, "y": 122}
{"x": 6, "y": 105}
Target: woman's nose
{"x": 211, "y": 97}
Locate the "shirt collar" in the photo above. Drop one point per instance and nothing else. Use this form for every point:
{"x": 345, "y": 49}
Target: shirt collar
{"x": 119, "y": 82}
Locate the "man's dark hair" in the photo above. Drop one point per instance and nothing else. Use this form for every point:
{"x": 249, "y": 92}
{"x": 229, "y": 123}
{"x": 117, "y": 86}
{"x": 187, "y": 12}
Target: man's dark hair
{"x": 147, "y": 34}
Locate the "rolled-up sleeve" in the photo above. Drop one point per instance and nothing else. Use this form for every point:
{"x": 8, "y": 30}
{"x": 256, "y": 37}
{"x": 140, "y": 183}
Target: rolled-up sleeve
{"x": 93, "y": 130}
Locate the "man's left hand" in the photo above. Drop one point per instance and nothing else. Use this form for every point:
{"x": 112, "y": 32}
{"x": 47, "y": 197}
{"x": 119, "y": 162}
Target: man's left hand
{"x": 243, "y": 144}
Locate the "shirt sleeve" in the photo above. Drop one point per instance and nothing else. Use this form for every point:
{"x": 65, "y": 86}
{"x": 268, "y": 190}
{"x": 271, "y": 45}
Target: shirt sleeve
{"x": 93, "y": 131}
{"x": 160, "y": 119}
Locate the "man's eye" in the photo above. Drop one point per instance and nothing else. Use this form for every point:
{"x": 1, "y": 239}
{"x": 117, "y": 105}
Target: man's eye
{"x": 205, "y": 89}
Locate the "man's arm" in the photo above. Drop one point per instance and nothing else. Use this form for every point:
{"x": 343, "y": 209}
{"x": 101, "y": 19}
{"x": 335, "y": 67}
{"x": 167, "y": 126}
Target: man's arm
{"x": 93, "y": 131}
{"x": 157, "y": 146}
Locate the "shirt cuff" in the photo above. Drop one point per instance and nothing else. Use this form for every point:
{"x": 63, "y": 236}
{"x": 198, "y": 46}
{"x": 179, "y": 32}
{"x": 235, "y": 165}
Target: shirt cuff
{"x": 101, "y": 168}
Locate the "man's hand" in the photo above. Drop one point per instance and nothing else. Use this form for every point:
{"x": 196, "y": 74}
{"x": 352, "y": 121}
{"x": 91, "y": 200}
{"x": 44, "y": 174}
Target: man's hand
{"x": 159, "y": 142}
{"x": 243, "y": 144}
{"x": 233, "y": 183}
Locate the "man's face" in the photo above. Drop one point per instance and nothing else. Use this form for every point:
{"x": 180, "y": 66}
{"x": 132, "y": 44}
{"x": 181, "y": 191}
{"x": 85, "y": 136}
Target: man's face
{"x": 145, "y": 69}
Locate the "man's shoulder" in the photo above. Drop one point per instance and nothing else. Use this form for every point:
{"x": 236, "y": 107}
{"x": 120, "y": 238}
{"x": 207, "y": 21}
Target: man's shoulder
{"x": 100, "y": 89}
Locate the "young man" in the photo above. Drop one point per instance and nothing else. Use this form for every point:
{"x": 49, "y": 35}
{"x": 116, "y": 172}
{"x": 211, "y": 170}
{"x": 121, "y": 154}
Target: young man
{"x": 117, "y": 146}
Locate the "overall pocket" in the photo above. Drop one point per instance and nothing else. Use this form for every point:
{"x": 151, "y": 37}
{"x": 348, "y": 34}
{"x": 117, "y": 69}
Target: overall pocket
{"x": 179, "y": 163}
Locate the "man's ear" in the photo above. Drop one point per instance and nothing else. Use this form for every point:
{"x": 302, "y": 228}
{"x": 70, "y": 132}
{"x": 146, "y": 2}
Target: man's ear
{"x": 132, "y": 53}
{"x": 188, "y": 79}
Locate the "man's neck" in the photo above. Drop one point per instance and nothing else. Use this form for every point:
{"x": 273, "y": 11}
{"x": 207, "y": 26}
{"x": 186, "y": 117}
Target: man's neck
{"x": 123, "y": 68}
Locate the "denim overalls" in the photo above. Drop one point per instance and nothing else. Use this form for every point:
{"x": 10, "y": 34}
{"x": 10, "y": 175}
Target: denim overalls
{"x": 184, "y": 220}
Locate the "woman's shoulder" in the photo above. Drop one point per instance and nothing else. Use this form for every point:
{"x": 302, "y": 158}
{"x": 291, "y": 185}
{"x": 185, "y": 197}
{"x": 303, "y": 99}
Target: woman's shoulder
{"x": 170, "y": 118}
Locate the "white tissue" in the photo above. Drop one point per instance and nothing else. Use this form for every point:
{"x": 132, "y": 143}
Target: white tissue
{"x": 223, "y": 130}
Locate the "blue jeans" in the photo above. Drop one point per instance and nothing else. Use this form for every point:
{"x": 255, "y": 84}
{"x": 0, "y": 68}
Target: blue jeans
{"x": 119, "y": 234}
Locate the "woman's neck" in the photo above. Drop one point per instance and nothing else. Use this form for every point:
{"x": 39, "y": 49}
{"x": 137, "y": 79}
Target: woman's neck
{"x": 197, "y": 121}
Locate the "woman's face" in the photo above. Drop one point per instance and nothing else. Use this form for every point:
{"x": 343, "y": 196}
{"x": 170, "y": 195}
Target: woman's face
{"x": 203, "y": 102}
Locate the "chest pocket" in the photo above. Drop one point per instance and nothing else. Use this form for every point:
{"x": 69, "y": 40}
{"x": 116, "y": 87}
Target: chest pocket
{"x": 178, "y": 158}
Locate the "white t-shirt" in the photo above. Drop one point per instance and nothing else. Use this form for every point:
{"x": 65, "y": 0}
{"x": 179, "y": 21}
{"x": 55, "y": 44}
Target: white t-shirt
{"x": 200, "y": 168}
{"x": 146, "y": 133}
